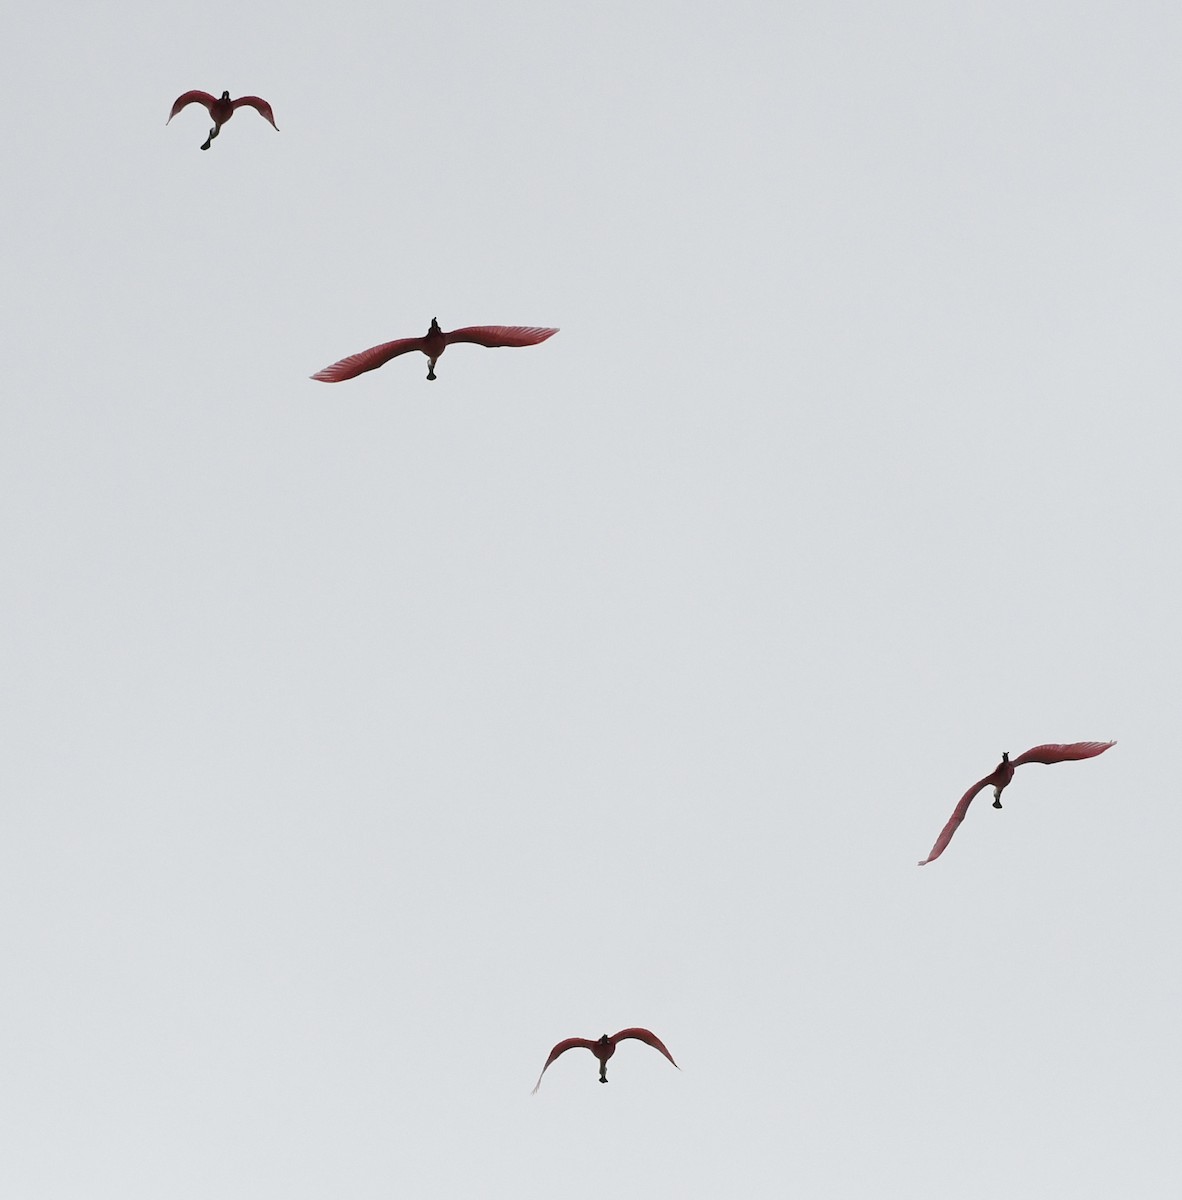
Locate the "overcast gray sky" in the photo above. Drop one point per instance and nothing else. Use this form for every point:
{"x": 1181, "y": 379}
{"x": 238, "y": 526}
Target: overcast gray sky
{"x": 362, "y": 741}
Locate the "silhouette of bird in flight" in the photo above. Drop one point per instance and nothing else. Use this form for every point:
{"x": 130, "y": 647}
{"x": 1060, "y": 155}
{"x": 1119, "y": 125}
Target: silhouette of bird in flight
{"x": 221, "y": 109}
{"x": 1001, "y": 775}
{"x": 605, "y": 1048}
{"x": 433, "y": 345}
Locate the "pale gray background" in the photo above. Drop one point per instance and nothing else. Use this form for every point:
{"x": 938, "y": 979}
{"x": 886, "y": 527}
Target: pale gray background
{"x": 362, "y": 741}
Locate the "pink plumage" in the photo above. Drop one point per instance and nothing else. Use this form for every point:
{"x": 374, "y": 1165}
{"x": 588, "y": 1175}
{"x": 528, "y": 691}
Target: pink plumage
{"x": 367, "y": 360}
{"x": 500, "y": 335}
{"x": 1054, "y": 752}
{"x": 999, "y": 779}
{"x": 433, "y": 344}
{"x": 221, "y": 109}
{"x": 605, "y": 1047}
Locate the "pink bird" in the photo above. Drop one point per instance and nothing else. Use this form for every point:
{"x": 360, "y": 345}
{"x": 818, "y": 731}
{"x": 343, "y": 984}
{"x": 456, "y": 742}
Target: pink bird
{"x": 605, "y": 1048}
{"x": 433, "y": 345}
{"x": 221, "y": 110}
{"x": 1000, "y": 777}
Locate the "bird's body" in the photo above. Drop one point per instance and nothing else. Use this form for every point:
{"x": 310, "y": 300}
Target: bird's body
{"x": 1001, "y": 778}
{"x": 604, "y": 1048}
{"x": 433, "y": 344}
{"x": 221, "y": 109}
{"x": 1001, "y": 775}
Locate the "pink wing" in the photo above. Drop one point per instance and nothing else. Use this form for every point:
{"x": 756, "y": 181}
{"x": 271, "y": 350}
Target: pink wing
{"x": 1057, "y": 753}
{"x": 259, "y": 105}
{"x": 646, "y": 1036}
{"x": 562, "y": 1048}
{"x": 191, "y": 98}
{"x": 500, "y": 335}
{"x": 954, "y": 821}
{"x": 367, "y": 360}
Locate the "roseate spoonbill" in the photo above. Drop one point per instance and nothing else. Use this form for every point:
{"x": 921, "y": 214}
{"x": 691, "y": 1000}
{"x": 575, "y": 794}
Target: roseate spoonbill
{"x": 221, "y": 110}
{"x": 433, "y": 345}
{"x": 1001, "y": 775}
{"x": 605, "y": 1048}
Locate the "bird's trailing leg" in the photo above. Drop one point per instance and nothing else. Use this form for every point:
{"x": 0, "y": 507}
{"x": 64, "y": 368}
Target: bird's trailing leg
{"x": 603, "y": 1072}
{"x": 431, "y": 368}
{"x": 997, "y": 797}
{"x": 212, "y": 134}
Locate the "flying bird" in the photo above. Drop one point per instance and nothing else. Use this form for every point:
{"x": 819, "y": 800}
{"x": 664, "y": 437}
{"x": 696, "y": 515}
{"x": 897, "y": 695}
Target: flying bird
{"x": 221, "y": 110}
{"x": 1000, "y": 777}
{"x": 433, "y": 345}
{"x": 605, "y": 1048}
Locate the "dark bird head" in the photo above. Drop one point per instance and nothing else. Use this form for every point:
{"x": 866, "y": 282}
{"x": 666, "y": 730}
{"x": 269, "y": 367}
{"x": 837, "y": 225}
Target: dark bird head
{"x": 1005, "y": 756}
{"x": 434, "y": 326}
{"x": 225, "y": 95}
{"x": 605, "y": 1040}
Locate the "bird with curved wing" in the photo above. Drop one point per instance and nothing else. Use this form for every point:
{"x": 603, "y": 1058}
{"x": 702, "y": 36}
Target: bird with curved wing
{"x": 221, "y": 109}
{"x": 604, "y": 1048}
{"x": 433, "y": 345}
{"x": 999, "y": 779}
